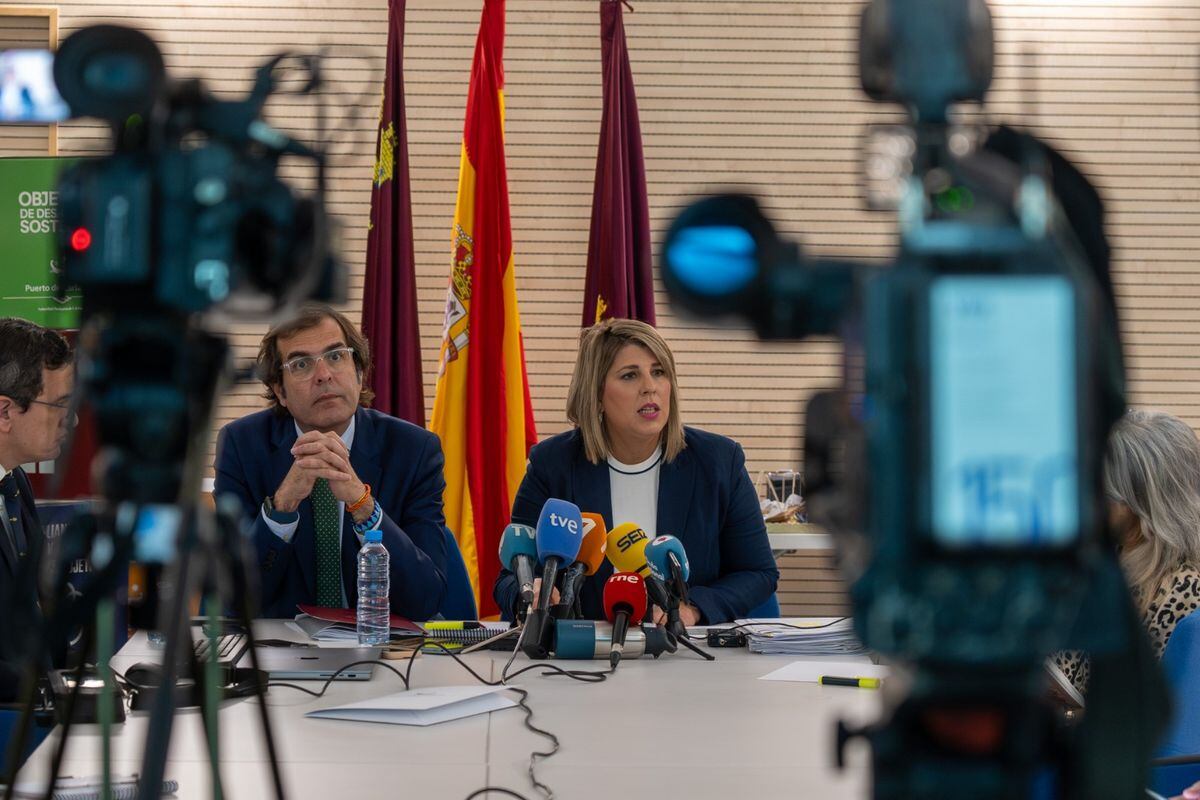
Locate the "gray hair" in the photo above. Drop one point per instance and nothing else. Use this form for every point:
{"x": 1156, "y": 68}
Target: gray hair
{"x": 1153, "y": 467}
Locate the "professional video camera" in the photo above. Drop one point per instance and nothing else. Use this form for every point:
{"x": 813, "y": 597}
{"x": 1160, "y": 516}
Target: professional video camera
{"x": 960, "y": 465}
{"x": 185, "y": 223}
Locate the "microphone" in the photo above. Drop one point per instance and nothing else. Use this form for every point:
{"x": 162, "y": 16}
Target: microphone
{"x": 518, "y": 552}
{"x": 591, "y": 556}
{"x": 624, "y": 599}
{"x": 559, "y": 535}
{"x": 587, "y": 639}
{"x": 668, "y": 562}
{"x": 627, "y": 552}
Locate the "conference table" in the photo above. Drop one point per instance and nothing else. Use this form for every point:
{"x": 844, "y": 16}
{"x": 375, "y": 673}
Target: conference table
{"x": 678, "y": 726}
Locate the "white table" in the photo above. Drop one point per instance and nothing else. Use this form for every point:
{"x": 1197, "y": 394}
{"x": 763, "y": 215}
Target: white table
{"x": 676, "y": 727}
{"x": 790, "y": 537}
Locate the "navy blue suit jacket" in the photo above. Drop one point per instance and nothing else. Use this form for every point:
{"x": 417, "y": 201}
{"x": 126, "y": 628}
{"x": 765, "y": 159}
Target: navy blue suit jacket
{"x": 705, "y": 499}
{"x": 18, "y": 592}
{"x": 403, "y": 465}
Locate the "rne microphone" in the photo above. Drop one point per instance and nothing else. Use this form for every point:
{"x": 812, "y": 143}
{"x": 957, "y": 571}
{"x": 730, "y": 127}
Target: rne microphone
{"x": 518, "y": 552}
{"x": 624, "y": 599}
{"x": 589, "y": 559}
{"x": 559, "y": 536}
{"x": 587, "y": 639}
{"x": 668, "y": 562}
{"x": 627, "y": 552}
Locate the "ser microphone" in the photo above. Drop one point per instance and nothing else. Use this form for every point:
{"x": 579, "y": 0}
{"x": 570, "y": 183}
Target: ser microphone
{"x": 627, "y": 552}
{"x": 591, "y": 556}
{"x": 624, "y": 599}
{"x": 518, "y": 552}
{"x": 668, "y": 562}
{"x": 587, "y": 639}
{"x": 559, "y": 535}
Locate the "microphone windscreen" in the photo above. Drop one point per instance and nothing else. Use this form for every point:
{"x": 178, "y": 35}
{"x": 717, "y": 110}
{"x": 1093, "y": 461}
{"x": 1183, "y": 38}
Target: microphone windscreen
{"x": 628, "y": 589}
{"x": 518, "y": 540}
{"x": 657, "y": 556}
{"x": 595, "y": 542}
{"x": 626, "y": 549}
{"x": 559, "y": 531}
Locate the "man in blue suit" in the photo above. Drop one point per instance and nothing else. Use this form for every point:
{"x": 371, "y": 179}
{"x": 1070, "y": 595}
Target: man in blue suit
{"x": 317, "y": 470}
{"x": 36, "y": 380}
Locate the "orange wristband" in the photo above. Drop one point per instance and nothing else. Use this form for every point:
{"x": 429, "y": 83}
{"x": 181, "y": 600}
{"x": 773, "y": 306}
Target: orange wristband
{"x": 357, "y": 504}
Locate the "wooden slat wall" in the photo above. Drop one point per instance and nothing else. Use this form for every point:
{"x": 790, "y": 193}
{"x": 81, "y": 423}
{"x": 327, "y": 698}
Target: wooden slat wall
{"x": 757, "y": 95}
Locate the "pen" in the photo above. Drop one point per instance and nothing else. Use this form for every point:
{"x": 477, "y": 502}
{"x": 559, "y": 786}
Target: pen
{"x": 861, "y": 683}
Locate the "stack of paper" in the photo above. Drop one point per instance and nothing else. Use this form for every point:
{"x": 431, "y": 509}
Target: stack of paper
{"x": 807, "y": 636}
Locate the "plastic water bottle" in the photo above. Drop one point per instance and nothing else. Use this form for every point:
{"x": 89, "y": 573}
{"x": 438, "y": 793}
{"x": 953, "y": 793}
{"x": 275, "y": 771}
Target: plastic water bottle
{"x": 374, "y": 612}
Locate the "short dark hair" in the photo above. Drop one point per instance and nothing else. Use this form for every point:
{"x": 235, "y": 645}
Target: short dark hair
{"x": 310, "y": 315}
{"x": 25, "y": 349}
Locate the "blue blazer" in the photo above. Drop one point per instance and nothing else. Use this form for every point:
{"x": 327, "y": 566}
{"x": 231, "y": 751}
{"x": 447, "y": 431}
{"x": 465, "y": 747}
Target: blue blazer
{"x": 403, "y": 465}
{"x": 18, "y": 592}
{"x": 705, "y": 499}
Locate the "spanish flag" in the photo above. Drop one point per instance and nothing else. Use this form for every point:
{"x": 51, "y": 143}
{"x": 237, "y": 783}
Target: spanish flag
{"x": 482, "y": 410}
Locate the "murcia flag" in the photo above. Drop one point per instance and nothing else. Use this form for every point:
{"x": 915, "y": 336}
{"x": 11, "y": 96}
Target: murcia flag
{"x": 482, "y": 410}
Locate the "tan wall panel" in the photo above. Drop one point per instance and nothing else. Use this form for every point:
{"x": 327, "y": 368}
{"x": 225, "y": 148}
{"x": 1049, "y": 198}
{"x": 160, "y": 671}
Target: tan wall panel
{"x": 757, "y": 95}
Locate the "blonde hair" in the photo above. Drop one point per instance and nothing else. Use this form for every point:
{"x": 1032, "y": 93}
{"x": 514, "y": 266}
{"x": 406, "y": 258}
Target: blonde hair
{"x": 598, "y": 348}
{"x": 1153, "y": 467}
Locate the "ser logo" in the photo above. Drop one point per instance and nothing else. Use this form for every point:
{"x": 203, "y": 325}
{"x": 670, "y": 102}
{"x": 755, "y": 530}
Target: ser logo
{"x": 630, "y": 539}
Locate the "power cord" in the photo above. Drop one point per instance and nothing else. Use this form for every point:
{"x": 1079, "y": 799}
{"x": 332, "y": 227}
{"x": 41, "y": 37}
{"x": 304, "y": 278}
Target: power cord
{"x": 549, "y": 670}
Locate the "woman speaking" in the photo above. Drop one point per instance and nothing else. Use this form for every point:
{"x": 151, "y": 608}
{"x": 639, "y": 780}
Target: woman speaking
{"x": 629, "y": 458}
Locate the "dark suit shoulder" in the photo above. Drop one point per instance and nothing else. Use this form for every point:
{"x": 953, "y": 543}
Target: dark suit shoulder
{"x": 708, "y": 446}
{"x": 560, "y": 448}
{"x": 250, "y": 424}
{"x": 396, "y": 428}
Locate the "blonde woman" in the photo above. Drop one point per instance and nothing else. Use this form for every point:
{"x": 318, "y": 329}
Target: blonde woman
{"x": 630, "y": 459}
{"x": 1152, "y": 479}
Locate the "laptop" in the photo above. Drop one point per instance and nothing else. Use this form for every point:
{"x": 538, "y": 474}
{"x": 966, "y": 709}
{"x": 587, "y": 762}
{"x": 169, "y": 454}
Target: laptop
{"x": 315, "y": 663}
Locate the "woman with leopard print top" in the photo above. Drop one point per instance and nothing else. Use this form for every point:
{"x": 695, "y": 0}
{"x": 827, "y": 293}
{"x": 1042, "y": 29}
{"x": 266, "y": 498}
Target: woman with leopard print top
{"x": 1152, "y": 479}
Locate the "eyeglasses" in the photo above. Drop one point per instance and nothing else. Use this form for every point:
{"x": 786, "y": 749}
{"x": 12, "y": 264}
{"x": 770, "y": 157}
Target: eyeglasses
{"x": 61, "y": 405}
{"x": 338, "y": 359}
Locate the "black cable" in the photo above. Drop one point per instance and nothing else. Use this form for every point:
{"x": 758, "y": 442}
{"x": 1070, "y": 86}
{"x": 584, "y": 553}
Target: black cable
{"x": 333, "y": 677}
{"x": 750, "y": 625}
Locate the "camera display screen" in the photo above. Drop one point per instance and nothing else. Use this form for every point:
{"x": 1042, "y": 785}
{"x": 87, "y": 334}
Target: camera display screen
{"x": 1003, "y": 429}
{"x": 27, "y": 90}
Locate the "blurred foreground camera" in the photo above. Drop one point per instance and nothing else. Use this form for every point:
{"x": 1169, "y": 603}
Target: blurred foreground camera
{"x": 959, "y": 466}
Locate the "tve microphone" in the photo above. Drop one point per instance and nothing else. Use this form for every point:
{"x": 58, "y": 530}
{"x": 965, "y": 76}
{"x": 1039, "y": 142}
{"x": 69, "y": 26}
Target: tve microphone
{"x": 559, "y": 535}
{"x": 591, "y": 556}
{"x": 584, "y": 638}
{"x": 627, "y": 552}
{"x": 668, "y": 562}
{"x": 518, "y": 552}
{"x": 624, "y": 599}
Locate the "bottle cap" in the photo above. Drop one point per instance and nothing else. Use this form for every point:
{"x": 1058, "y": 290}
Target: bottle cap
{"x": 375, "y": 535}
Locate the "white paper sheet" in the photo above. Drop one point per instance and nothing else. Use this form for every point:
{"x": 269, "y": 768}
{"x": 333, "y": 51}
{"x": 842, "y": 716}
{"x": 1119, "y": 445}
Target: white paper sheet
{"x": 809, "y": 670}
{"x": 425, "y": 706}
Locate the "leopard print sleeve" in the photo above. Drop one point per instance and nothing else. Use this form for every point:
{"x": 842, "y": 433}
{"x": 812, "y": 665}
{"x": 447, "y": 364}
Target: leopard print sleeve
{"x": 1177, "y": 597}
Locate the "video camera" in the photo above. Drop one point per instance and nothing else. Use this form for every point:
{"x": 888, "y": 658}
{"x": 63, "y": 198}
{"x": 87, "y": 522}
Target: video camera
{"x": 960, "y": 465}
{"x": 185, "y": 224}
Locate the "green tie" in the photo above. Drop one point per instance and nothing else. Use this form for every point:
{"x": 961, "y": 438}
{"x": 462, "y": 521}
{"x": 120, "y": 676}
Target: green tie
{"x": 329, "y": 555}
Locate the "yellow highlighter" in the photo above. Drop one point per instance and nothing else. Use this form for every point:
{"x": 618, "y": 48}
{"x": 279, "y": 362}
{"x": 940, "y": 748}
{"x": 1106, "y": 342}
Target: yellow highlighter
{"x": 861, "y": 683}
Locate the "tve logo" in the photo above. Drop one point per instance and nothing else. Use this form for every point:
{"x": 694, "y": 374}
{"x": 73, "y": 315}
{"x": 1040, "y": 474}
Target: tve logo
{"x": 559, "y": 521}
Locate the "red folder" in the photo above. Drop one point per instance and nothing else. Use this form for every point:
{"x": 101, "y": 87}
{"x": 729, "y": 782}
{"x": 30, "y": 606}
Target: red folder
{"x": 347, "y": 616}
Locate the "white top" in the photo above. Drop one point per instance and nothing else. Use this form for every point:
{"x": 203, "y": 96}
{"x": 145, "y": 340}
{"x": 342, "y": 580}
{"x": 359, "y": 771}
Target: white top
{"x": 633, "y": 489}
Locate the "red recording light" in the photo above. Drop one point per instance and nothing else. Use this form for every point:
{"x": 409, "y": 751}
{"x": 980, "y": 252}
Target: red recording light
{"x": 81, "y": 240}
